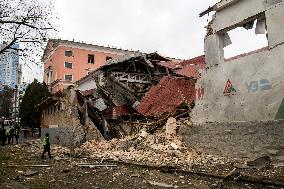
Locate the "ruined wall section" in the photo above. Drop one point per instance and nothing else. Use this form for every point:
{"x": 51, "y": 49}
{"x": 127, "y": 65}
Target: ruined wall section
{"x": 239, "y": 11}
{"x": 65, "y": 127}
{"x": 246, "y": 89}
{"x": 89, "y": 84}
{"x": 249, "y": 88}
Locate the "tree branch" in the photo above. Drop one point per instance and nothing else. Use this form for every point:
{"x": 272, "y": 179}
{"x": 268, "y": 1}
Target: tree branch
{"x": 8, "y": 46}
{"x": 18, "y": 22}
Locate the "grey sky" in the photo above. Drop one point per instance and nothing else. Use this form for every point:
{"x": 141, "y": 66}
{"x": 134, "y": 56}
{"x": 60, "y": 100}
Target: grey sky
{"x": 170, "y": 27}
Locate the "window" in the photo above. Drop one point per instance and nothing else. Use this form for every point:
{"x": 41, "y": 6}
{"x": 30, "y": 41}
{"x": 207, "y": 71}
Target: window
{"x": 68, "y": 53}
{"x": 68, "y": 65}
{"x": 91, "y": 58}
{"x": 249, "y": 38}
{"x": 108, "y": 58}
{"x": 68, "y": 77}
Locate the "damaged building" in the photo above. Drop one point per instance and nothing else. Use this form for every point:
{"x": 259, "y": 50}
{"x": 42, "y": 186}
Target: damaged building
{"x": 120, "y": 97}
{"x": 234, "y": 85}
{"x": 241, "y": 108}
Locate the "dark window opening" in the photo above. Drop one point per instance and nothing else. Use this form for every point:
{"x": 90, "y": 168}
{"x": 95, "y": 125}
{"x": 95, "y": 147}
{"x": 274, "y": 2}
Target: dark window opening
{"x": 68, "y": 77}
{"x": 68, "y": 53}
{"x": 108, "y": 58}
{"x": 91, "y": 58}
{"x": 68, "y": 65}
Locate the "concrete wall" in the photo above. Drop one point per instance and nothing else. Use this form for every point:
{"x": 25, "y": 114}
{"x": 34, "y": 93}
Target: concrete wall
{"x": 63, "y": 136}
{"x": 87, "y": 85}
{"x": 237, "y": 140}
{"x": 72, "y": 136}
{"x": 248, "y": 88}
{"x": 64, "y": 125}
{"x": 239, "y": 11}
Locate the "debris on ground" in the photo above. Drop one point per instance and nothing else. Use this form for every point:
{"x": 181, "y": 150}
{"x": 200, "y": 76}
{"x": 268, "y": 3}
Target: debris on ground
{"x": 114, "y": 158}
{"x": 158, "y": 149}
{"x": 30, "y": 173}
{"x": 159, "y": 184}
{"x": 260, "y": 162}
{"x": 95, "y": 165}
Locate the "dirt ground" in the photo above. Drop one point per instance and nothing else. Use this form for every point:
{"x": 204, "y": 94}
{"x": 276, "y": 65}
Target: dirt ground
{"x": 17, "y": 171}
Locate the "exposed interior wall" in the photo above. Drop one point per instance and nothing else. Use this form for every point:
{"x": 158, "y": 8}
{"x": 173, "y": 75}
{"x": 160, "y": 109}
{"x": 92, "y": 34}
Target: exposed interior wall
{"x": 87, "y": 85}
{"x": 236, "y": 13}
{"x": 240, "y": 11}
{"x": 64, "y": 125}
{"x": 248, "y": 88}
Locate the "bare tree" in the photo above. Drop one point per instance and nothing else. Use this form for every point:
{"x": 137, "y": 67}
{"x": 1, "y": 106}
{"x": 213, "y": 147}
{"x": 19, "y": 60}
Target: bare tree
{"x": 27, "y": 23}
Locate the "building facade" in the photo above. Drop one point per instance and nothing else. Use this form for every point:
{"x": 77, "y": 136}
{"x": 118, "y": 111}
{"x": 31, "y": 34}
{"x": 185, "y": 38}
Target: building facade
{"x": 65, "y": 62}
{"x": 10, "y": 69}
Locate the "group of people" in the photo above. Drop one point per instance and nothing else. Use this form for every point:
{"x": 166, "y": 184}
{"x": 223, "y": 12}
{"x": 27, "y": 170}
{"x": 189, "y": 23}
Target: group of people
{"x": 11, "y": 132}
{"x": 7, "y": 135}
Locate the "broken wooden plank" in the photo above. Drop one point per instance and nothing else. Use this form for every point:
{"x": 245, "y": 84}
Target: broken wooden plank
{"x": 95, "y": 165}
{"x": 28, "y": 165}
{"x": 236, "y": 177}
{"x": 159, "y": 184}
{"x": 30, "y": 173}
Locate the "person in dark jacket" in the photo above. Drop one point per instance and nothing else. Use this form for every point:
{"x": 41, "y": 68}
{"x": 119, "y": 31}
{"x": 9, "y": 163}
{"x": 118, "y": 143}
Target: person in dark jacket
{"x": 17, "y": 133}
{"x": 12, "y": 134}
{"x": 8, "y": 132}
{"x": 33, "y": 131}
{"x": 3, "y": 136}
{"x": 46, "y": 146}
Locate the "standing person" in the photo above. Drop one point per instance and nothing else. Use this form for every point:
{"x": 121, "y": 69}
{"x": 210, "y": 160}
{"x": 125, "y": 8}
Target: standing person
{"x": 46, "y": 146}
{"x": 1, "y": 129}
{"x": 4, "y": 137}
{"x": 12, "y": 132}
{"x": 2, "y": 134}
{"x": 33, "y": 131}
{"x": 8, "y": 135}
{"x": 17, "y": 134}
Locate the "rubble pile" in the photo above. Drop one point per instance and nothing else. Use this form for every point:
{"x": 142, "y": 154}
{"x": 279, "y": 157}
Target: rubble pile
{"x": 35, "y": 146}
{"x": 159, "y": 148}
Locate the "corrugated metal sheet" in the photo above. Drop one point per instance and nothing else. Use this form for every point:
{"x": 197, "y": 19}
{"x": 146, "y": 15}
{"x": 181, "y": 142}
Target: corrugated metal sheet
{"x": 188, "y": 68}
{"x": 167, "y": 96}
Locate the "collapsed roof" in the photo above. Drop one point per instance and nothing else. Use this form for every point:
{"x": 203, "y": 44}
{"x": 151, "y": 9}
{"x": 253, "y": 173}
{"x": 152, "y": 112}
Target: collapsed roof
{"x": 170, "y": 93}
{"x": 187, "y": 68}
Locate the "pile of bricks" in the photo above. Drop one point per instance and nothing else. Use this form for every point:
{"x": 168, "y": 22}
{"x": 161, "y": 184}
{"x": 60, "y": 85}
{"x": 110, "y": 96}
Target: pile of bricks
{"x": 156, "y": 149}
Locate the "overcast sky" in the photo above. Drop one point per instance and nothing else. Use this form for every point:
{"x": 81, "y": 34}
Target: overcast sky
{"x": 170, "y": 27}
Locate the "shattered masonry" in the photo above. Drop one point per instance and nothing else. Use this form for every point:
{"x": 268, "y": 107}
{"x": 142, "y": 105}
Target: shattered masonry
{"x": 218, "y": 106}
{"x": 114, "y": 106}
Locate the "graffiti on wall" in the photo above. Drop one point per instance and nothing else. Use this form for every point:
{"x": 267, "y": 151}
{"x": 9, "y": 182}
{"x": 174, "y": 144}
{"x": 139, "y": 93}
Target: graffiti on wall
{"x": 229, "y": 89}
{"x": 261, "y": 85}
{"x": 200, "y": 93}
{"x": 280, "y": 112}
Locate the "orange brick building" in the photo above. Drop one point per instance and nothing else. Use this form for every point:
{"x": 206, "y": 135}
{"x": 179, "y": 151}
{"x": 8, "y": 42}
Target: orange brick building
{"x": 65, "y": 62}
